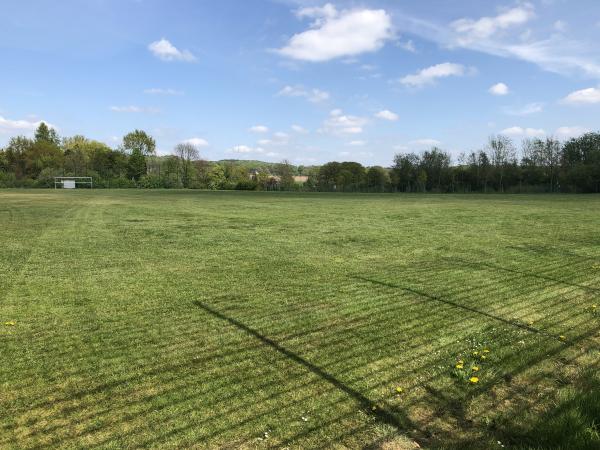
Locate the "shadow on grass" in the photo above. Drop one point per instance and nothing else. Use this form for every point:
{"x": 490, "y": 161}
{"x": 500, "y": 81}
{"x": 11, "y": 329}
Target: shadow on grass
{"x": 379, "y": 413}
{"x": 358, "y": 358}
{"x": 523, "y": 273}
{"x": 454, "y": 304}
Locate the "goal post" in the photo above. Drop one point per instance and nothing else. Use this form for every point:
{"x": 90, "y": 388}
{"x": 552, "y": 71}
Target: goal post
{"x": 73, "y": 182}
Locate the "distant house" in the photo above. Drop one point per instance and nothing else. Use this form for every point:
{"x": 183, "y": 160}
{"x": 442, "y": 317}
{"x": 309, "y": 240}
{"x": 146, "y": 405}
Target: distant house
{"x": 300, "y": 179}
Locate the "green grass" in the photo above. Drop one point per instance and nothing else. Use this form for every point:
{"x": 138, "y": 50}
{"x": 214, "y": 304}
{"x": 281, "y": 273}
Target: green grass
{"x": 199, "y": 319}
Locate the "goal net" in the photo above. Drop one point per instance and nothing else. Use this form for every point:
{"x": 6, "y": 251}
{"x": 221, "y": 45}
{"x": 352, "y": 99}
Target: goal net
{"x": 73, "y": 182}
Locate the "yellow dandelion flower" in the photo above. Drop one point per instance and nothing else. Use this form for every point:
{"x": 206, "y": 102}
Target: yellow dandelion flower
{"x": 399, "y": 390}
{"x": 475, "y": 369}
{"x": 594, "y": 306}
{"x": 483, "y": 357}
{"x": 485, "y": 350}
{"x": 474, "y": 380}
{"x": 562, "y": 337}
{"x": 10, "y": 323}
{"x": 460, "y": 361}
{"x": 374, "y": 408}
{"x": 475, "y": 353}
{"x": 459, "y": 366}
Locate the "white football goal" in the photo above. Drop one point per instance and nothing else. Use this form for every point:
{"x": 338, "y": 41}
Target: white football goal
{"x": 73, "y": 182}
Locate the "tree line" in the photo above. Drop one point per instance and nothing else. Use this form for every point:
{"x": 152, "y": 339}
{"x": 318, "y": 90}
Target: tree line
{"x": 539, "y": 165}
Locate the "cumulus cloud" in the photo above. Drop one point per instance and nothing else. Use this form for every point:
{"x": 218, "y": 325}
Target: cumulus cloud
{"x": 387, "y": 115}
{"x": 259, "y": 129}
{"x": 134, "y": 109}
{"x": 499, "y": 89}
{"x": 8, "y": 126}
{"x": 470, "y": 30}
{"x": 339, "y": 124}
{"x": 583, "y": 97}
{"x": 430, "y": 74}
{"x": 198, "y": 142}
{"x": 299, "y": 129}
{"x": 335, "y": 34}
{"x": 312, "y": 95}
{"x": 570, "y": 132}
{"x": 523, "y": 132}
{"x": 159, "y": 91}
{"x": 166, "y": 51}
{"x": 318, "y": 12}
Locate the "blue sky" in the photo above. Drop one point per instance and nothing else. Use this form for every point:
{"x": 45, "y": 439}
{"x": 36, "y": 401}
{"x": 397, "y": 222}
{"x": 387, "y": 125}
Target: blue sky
{"x": 300, "y": 80}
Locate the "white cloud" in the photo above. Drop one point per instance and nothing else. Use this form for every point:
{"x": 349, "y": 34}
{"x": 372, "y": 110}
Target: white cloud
{"x": 499, "y": 89}
{"x": 259, "y": 129}
{"x": 20, "y": 126}
{"x": 470, "y": 30}
{"x": 430, "y": 74}
{"x": 159, "y": 91}
{"x": 523, "y": 132}
{"x": 409, "y": 46}
{"x": 198, "y": 142}
{"x": 530, "y": 108}
{"x": 335, "y": 34}
{"x": 298, "y": 129}
{"x": 339, "y": 124}
{"x": 265, "y": 142}
{"x": 318, "y": 12}
{"x": 426, "y": 142}
{"x": 493, "y": 35}
{"x": 312, "y": 95}
{"x": 245, "y": 149}
{"x": 134, "y": 109}
{"x": 583, "y": 97}
{"x": 387, "y": 115}
{"x": 570, "y": 132}
{"x": 357, "y": 143}
{"x": 166, "y": 51}
{"x": 280, "y": 135}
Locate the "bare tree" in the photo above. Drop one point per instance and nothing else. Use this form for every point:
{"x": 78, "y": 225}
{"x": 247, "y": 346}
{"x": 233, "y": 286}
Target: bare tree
{"x": 187, "y": 153}
{"x": 502, "y": 153}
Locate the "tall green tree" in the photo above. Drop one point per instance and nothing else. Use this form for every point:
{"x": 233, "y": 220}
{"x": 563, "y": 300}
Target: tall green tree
{"x": 44, "y": 133}
{"x": 377, "y": 179}
{"x": 136, "y": 165}
{"x": 141, "y": 141}
{"x": 138, "y": 145}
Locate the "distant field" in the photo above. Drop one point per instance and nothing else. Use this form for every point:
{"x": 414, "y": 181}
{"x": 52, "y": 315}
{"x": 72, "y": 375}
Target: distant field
{"x": 251, "y": 320}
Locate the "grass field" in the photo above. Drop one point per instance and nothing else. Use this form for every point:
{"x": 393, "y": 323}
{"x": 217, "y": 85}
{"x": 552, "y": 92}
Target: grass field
{"x": 241, "y": 320}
